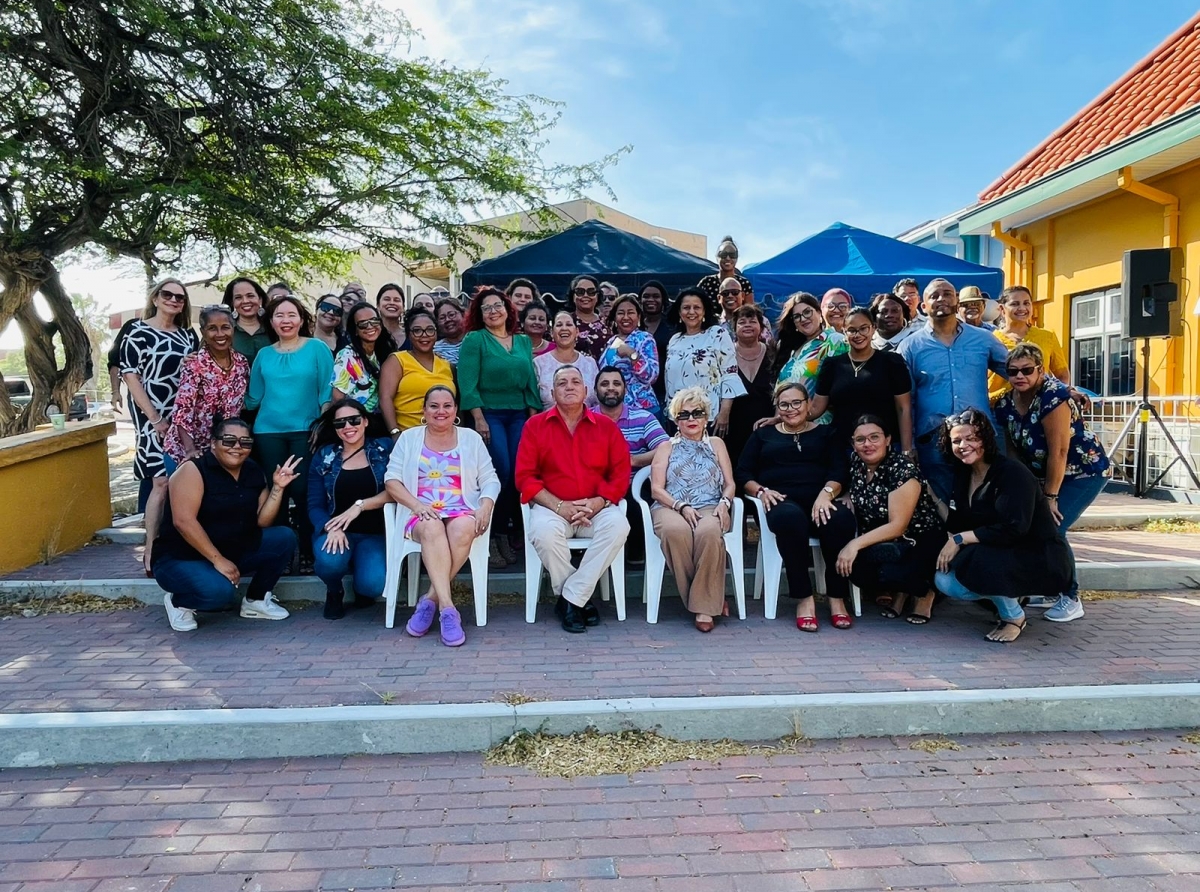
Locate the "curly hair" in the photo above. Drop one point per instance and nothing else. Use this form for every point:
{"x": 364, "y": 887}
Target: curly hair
{"x": 981, "y": 422}
{"x": 711, "y": 314}
{"x": 475, "y": 314}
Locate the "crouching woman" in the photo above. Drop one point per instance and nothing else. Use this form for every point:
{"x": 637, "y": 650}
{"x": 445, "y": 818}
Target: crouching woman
{"x": 217, "y": 528}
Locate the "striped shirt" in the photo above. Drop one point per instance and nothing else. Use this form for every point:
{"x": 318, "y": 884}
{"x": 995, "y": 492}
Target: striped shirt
{"x": 641, "y": 430}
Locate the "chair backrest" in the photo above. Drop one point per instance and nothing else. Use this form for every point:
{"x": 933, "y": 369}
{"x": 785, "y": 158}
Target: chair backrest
{"x": 640, "y": 481}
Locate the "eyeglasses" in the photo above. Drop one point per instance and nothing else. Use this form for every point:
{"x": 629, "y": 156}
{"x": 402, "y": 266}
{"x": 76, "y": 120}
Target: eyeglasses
{"x": 791, "y": 405}
{"x": 367, "y": 324}
{"x": 855, "y": 332}
{"x": 1025, "y": 371}
{"x": 689, "y": 414}
{"x": 331, "y": 309}
{"x": 804, "y": 315}
{"x": 423, "y": 332}
{"x": 172, "y": 296}
{"x": 585, "y": 292}
{"x": 730, "y": 292}
{"x": 838, "y": 306}
{"x": 864, "y": 439}
{"x": 229, "y": 441}
{"x": 352, "y": 420}
{"x": 492, "y": 308}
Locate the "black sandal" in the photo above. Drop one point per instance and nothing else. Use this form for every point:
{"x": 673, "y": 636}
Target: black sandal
{"x": 896, "y": 608}
{"x": 920, "y": 619}
{"x": 1020, "y": 627}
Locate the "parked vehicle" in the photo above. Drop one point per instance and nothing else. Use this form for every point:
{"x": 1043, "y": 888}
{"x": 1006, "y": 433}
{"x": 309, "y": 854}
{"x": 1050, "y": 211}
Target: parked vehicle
{"x": 20, "y": 392}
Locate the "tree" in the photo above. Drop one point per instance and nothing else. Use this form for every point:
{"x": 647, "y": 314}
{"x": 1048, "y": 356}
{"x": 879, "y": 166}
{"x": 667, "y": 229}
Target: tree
{"x": 213, "y": 134}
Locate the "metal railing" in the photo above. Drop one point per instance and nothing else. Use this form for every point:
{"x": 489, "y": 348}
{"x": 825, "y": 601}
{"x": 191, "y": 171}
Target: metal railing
{"x": 1115, "y": 422}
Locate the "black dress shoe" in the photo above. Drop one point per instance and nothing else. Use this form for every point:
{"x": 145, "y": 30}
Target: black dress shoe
{"x": 560, "y": 607}
{"x": 573, "y": 619}
{"x": 334, "y": 609}
{"x": 591, "y": 614}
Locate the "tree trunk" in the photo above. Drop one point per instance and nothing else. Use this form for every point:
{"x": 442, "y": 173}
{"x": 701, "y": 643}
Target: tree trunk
{"x": 50, "y": 384}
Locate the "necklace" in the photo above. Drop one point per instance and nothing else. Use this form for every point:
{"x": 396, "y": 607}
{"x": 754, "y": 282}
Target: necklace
{"x": 755, "y": 358}
{"x": 795, "y": 434}
{"x": 857, "y": 367}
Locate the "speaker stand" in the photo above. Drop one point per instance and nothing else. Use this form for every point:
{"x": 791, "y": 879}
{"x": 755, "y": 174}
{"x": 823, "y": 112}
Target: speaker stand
{"x": 1143, "y": 414}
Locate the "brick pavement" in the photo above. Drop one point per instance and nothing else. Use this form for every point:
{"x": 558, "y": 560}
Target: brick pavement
{"x": 132, "y": 660}
{"x": 1056, "y": 813}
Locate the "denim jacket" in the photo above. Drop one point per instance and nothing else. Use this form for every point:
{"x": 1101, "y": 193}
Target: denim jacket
{"x": 323, "y": 470}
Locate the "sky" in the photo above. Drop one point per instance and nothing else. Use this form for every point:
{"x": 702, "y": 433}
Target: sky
{"x": 768, "y": 121}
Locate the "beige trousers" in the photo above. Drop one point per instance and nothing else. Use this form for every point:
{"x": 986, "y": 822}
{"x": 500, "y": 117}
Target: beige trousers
{"x": 696, "y": 557}
{"x": 549, "y": 533}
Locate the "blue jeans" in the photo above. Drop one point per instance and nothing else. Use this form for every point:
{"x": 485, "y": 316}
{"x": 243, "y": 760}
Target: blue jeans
{"x": 948, "y": 584}
{"x": 197, "y": 585}
{"x": 1075, "y": 494}
{"x": 367, "y": 555}
{"x": 505, "y": 426}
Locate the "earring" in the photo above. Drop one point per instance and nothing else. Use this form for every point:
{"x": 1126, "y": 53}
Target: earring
{"x": 457, "y": 421}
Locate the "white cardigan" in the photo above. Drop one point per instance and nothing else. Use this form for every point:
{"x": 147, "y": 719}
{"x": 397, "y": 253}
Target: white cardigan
{"x": 479, "y": 480}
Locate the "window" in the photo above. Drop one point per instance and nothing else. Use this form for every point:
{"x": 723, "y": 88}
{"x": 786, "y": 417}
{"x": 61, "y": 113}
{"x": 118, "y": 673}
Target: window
{"x": 1101, "y": 360}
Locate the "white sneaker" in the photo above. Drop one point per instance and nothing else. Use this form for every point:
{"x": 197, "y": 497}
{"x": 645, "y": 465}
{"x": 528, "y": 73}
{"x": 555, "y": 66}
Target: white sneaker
{"x": 1065, "y": 610}
{"x": 267, "y": 608}
{"x": 180, "y": 618}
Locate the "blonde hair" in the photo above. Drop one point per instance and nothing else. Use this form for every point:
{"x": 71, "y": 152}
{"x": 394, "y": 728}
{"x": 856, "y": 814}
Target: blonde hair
{"x": 184, "y": 319}
{"x": 696, "y": 395}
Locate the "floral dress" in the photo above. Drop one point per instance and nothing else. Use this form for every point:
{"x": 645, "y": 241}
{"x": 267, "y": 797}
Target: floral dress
{"x": 1085, "y": 454}
{"x": 592, "y": 337}
{"x": 640, "y": 375}
{"x": 439, "y": 485}
{"x": 205, "y": 391}
{"x": 706, "y": 360}
{"x": 353, "y": 377}
{"x": 805, "y": 363}
{"x": 870, "y": 497}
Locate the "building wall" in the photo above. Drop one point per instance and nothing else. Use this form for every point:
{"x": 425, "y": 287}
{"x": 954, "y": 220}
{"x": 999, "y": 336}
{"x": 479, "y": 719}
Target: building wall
{"x": 1081, "y": 250}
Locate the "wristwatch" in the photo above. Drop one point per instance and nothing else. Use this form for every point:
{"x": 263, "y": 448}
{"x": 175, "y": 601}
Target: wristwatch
{"x": 958, "y": 539}
{"x": 394, "y": 431}
{"x": 358, "y": 503}
{"x": 828, "y": 489}
{"x": 633, "y": 357}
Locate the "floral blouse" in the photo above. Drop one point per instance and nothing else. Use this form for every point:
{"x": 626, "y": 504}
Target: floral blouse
{"x": 870, "y": 497}
{"x": 352, "y": 377}
{"x": 805, "y": 363}
{"x": 706, "y": 360}
{"x": 205, "y": 389}
{"x": 1085, "y": 454}
{"x": 592, "y": 337}
{"x": 639, "y": 376}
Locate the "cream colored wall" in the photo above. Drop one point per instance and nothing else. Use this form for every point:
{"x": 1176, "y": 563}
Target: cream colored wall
{"x": 1082, "y": 250}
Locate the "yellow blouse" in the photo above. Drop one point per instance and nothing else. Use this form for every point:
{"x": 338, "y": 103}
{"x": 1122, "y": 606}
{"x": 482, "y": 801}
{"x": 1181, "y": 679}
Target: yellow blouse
{"x": 415, "y": 381}
{"x": 1053, "y": 356}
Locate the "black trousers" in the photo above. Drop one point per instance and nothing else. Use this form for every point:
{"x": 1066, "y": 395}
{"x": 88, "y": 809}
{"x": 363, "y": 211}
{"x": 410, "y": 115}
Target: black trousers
{"x": 901, "y": 565}
{"x": 792, "y": 524}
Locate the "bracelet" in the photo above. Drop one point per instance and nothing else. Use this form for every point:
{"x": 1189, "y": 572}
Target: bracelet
{"x": 559, "y": 505}
{"x": 1052, "y": 495}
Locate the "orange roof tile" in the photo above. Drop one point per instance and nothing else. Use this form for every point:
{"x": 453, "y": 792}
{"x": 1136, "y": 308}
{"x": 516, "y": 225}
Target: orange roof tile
{"x": 1163, "y": 84}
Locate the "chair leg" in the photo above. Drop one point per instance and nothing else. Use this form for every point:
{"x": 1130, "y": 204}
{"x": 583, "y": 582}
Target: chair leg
{"x": 414, "y": 576}
{"x": 758, "y": 572}
{"x": 618, "y": 575}
{"x": 738, "y": 569}
{"x": 772, "y": 570}
{"x": 479, "y": 577}
{"x": 856, "y": 597}
{"x": 818, "y": 570}
{"x": 655, "y": 568}
{"x": 533, "y": 582}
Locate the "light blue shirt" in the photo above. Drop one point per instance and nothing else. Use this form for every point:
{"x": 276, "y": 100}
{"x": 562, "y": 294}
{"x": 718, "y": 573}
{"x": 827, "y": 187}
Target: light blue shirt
{"x": 949, "y": 380}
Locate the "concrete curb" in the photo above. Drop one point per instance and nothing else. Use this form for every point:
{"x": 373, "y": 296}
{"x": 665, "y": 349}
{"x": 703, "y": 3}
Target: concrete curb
{"x": 1122, "y": 576}
{"x": 54, "y": 739}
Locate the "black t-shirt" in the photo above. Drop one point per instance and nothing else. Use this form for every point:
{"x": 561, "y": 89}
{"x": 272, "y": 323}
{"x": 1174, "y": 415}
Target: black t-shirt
{"x": 797, "y": 465}
{"x": 872, "y": 391}
{"x": 351, "y": 486}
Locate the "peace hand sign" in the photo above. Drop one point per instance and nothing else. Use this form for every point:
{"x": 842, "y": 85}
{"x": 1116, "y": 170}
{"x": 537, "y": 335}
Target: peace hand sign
{"x": 286, "y": 472}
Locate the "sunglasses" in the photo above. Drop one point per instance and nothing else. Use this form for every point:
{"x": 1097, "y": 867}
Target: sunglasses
{"x": 173, "y": 296}
{"x": 726, "y": 256}
{"x": 331, "y": 309}
{"x": 229, "y": 441}
{"x": 352, "y": 420}
{"x": 730, "y": 292}
{"x": 1025, "y": 371}
{"x": 585, "y": 292}
{"x": 970, "y": 416}
{"x": 689, "y": 414}
{"x": 367, "y": 324}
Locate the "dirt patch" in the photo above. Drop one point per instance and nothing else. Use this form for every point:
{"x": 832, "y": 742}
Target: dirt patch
{"x": 77, "y": 602}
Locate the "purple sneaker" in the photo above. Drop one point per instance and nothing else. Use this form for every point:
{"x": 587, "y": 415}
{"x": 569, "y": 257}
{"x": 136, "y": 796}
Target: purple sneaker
{"x": 422, "y": 617}
{"x": 452, "y": 630}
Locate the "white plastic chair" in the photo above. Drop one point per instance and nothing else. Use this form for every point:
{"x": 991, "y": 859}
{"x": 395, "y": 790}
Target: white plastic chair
{"x": 399, "y": 547}
{"x": 533, "y": 570}
{"x": 769, "y": 566}
{"x": 656, "y": 561}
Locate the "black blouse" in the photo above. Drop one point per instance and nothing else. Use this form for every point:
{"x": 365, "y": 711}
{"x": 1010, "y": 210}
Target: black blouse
{"x": 872, "y": 391}
{"x": 797, "y": 465}
{"x": 870, "y": 497}
{"x": 1021, "y": 550}
{"x": 228, "y": 513}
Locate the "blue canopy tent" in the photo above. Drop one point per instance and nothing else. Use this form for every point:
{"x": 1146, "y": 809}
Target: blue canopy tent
{"x": 863, "y": 263}
{"x": 626, "y": 260}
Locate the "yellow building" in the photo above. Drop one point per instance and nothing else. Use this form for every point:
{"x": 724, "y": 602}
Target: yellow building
{"x": 1123, "y": 173}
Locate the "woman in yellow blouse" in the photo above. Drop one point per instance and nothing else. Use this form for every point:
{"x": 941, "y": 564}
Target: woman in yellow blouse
{"x": 1016, "y": 327}
{"x": 407, "y": 375}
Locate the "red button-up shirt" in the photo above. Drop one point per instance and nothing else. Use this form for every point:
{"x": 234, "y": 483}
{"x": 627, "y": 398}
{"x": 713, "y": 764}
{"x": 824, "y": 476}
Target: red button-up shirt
{"x": 594, "y": 461}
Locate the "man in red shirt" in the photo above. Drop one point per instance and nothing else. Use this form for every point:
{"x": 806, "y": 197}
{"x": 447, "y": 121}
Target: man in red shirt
{"x": 572, "y": 468}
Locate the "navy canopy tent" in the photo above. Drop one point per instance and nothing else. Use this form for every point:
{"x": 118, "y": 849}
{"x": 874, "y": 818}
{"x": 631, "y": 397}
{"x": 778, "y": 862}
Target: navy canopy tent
{"x": 864, "y": 263}
{"x": 626, "y": 260}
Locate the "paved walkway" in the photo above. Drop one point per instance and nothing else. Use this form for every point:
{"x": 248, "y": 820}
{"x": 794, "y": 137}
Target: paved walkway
{"x": 114, "y": 561}
{"x": 132, "y": 659}
{"x": 1055, "y": 813}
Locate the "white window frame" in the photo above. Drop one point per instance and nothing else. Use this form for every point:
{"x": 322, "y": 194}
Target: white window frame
{"x": 1108, "y": 327}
